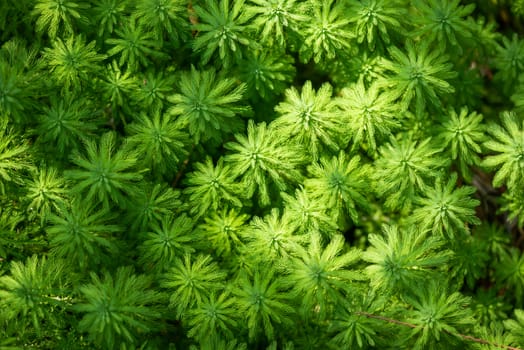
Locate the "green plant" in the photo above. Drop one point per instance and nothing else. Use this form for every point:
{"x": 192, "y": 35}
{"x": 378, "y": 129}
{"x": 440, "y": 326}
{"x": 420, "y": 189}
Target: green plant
{"x": 191, "y": 280}
{"x": 258, "y": 155}
{"x": 117, "y": 310}
{"x": 261, "y": 174}
{"x": 107, "y": 173}
{"x": 82, "y": 235}
{"x": 72, "y": 61}
{"x": 207, "y": 107}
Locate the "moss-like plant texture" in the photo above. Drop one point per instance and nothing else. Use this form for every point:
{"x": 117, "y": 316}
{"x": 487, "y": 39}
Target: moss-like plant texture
{"x": 261, "y": 174}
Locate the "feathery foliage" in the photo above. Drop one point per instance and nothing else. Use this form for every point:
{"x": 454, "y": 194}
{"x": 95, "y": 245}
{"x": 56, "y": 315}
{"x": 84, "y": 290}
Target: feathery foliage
{"x": 261, "y": 300}
{"x": 419, "y": 75}
{"x": 14, "y": 156}
{"x": 311, "y": 118}
{"x": 319, "y": 273}
{"x": 72, "y": 62}
{"x": 67, "y": 122}
{"x": 34, "y": 291}
{"x": 340, "y": 183}
{"x": 446, "y": 209}
{"x": 47, "y": 191}
{"x": 223, "y": 31}
{"x": 191, "y": 280}
{"x": 214, "y": 317}
{"x": 261, "y": 174}
{"x": 150, "y": 203}
{"x": 266, "y": 75}
{"x": 375, "y": 21}
{"x": 106, "y": 173}
{"x": 438, "y": 317}
{"x": 82, "y": 234}
{"x": 224, "y": 230}
{"x": 404, "y": 168}
{"x": 275, "y": 20}
{"x": 167, "y": 19}
{"x": 272, "y": 237}
{"x": 208, "y": 105}
{"x": 135, "y": 46}
{"x": 508, "y": 145}
{"x": 55, "y": 16}
{"x": 211, "y": 187}
{"x": 516, "y": 328}
{"x": 117, "y": 310}
{"x": 159, "y": 141}
{"x": 370, "y": 113}
{"x": 402, "y": 259}
{"x": 258, "y": 158}
{"x": 326, "y": 33}
{"x": 444, "y": 22}
{"x": 462, "y": 134}
{"x": 166, "y": 241}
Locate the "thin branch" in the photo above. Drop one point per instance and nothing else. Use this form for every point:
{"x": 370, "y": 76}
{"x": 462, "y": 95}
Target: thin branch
{"x": 410, "y": 325}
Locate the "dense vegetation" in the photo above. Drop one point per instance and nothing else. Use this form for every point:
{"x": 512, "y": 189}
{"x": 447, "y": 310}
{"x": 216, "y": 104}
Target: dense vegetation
{"x": 261, "y": 174}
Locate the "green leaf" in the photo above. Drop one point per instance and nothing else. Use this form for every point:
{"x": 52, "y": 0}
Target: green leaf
{"x": 71, "y": 62}
{"x": 516, "y": 328}
{"x": 401, "y": 260}
{"x": 46, "y": 192}
{"x": 260, "y": 158}
{"x": 341, "y": 183}
{"x": 106, "y": 174}
{"x": 66, "y": 122}
{"x": 404, "y": 168}
{"x": 275, "y": 19}
{"x": 320, "y": 276}
{"x": 444, "y": 22}
{"x": 509, "y": 61}
{"x": 208, "y": 105}
{"x": 154, "y": 90}
{"x": 352, "y": 328}
{"x": 439, "y": 317}
{"x": 310, "y": 118}
{"x": 264, "y": 303}
{"x": 118, "y": 310}
{"x": 508, "y": 145}
{"x": 309, "y": 213}
{"x": 34, "y": 293}
{"x": 191, "y": 280}
{"x": 82, "y": 235}
{"x": 461, "y": 135}
{"x": 223, "y": 31}
{"x": 224, "y": 230}
{"x": 509, "y": 274}
{"x": 57, "y": 16}
{"x": 135, "y": 45}
{"x": 446, "y": 209}
{"x": 215, "y": 316}
{"x": 272, "y": 237}
{"x": 419, "y": 73}
{"x": 172, "y": 238}
{"x": 159, "y": 142}
{"x": 15, "y": 156}
{"x": 375, "y": 20}
{"x": 371, "y": 115}
{"x": 166, "y": 19}
{"x": 326, "y": 34}
{"x": 266, "y": 74}
{"x": 107, "y": 14}
{"x": 150, "y": 203}
{"x": 211, "y": 187}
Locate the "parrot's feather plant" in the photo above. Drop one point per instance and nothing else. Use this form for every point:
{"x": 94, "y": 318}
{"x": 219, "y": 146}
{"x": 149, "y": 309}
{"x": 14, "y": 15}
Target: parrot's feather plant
{"x": 261, "y": 174}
